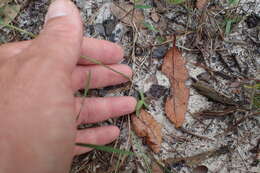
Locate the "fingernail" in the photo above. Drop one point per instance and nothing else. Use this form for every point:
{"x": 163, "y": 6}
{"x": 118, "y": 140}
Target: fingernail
{"x": 58, "y": 8}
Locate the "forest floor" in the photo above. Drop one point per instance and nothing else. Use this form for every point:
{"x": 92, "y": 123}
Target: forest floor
{"x": 220, "y": 42}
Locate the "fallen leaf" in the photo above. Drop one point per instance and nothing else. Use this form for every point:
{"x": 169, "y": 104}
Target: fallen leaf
{"x": 176, "y": 104}
{"x": 200, "y": 4}
{"x": 124, "y": 12}
{"x": 200, "y": 169}
{"x": 146, "y": 126}
{"x": 8, "y": 14}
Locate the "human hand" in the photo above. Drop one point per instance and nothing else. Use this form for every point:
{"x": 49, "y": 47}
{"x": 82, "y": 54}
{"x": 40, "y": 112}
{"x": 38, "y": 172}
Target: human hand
{"x": 38, "y": 109}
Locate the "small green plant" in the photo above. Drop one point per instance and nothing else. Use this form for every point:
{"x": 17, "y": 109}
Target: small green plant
{"x": 229, "y": 22}
{"x": 140, "y": 104}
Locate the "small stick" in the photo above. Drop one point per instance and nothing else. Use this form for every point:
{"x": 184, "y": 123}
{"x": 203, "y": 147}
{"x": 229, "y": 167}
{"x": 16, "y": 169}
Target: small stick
{"x": 193, "y": 134}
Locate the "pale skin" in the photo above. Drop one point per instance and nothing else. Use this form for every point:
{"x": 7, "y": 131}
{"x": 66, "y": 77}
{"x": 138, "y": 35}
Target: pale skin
{"x": 38, "y": 79}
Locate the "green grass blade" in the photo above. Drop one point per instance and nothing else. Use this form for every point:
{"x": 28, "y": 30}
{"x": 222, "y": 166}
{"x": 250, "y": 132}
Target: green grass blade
{"x": 106, "y": 148}
{"x": 176, "y": 1}
{"x": 106, "y": 66}
{"x": 85, "y": 94}
{"x": 138, "y": 107}
{"x": 18, "y": 29}
{"x": 87, "y": 85}
{"x": 228, "y": 27}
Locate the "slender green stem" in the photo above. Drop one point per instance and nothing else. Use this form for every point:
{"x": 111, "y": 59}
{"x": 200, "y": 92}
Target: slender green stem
{"x": 87, "y": 85}
{"x": 19, "y": 30}
{"x": 106, "y": 66}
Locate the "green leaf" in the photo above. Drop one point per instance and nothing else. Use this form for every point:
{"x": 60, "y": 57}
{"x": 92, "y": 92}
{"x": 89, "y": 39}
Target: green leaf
{"x": 150, "y": 27}
{"x": 106, "y": 148}
{"x": 143, "y": 6}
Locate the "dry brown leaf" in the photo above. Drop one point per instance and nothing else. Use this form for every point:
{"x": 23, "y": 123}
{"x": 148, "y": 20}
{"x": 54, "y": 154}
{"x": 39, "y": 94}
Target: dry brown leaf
{"x": 146, "y": 126}
{"x": 124, "y": 13}
{"x": 200, "y": 4}
{"x": 176, "y": 104}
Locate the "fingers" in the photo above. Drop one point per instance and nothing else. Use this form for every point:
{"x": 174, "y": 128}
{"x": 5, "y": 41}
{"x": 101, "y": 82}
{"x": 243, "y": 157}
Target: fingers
{"x": 104, "y": 51}
{"x": 100, "y": 76}
{"x": 96, "y": 136}
{"x": 100, "y": 109}
{"x": 61, "y": 38}
{"x": 11, "y": 49}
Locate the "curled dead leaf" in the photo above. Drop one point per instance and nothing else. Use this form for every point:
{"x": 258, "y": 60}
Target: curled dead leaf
{"x": 200, "y": 4}
{"x": 146, "y": 126}
{"x": 176, "y": 104}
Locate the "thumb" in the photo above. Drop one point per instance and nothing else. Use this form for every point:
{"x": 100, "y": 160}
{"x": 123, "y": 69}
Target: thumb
{"x": 61, "y": 37}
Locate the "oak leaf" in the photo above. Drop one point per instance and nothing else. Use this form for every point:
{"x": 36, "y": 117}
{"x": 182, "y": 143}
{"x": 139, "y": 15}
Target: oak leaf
{"x": 146, "y": 126}
{"x": 176, "y": 104}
